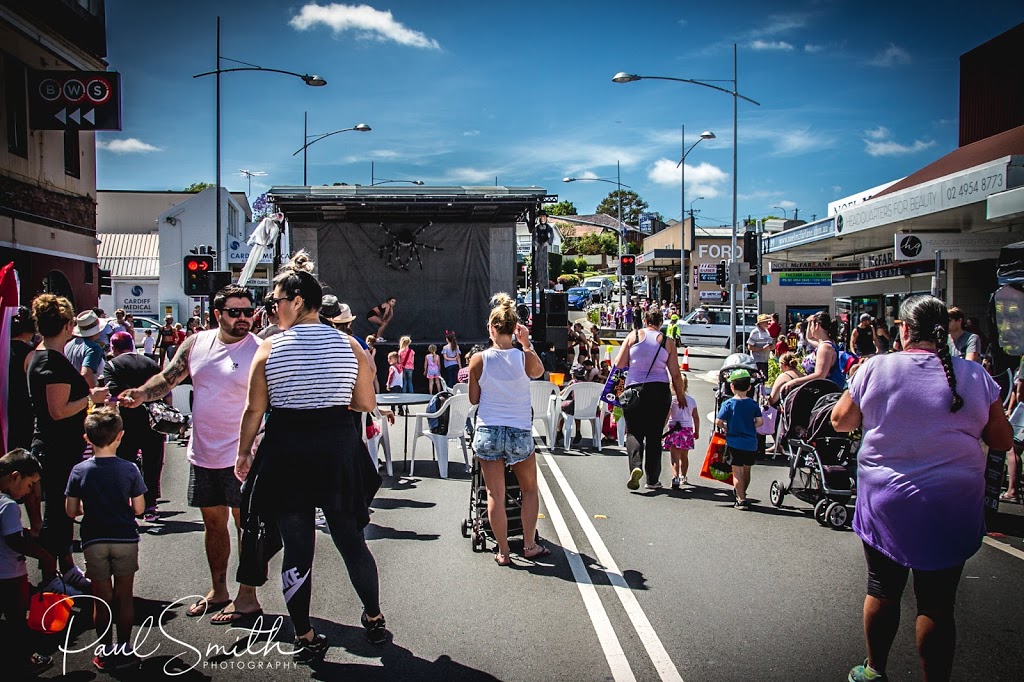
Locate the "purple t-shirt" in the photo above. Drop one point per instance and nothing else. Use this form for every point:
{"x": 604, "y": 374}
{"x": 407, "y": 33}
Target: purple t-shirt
{"x": 921, "y": 471}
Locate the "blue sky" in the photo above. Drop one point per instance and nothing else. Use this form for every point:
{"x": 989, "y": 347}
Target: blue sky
{"x": 853, "y": 94}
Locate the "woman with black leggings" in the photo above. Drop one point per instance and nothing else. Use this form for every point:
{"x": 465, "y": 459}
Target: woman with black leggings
{"x": 652, "y": 362}
{"x": 312, "y": 377}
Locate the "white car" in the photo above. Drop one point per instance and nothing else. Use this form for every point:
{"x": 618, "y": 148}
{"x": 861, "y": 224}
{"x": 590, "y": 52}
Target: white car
{"x": 600, "y": 288}
{"x": 141, "y": 325}
{"x": 709, "y": 326}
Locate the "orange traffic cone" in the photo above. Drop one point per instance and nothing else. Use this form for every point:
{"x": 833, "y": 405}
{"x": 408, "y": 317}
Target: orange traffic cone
{"x": 686, "y": 359}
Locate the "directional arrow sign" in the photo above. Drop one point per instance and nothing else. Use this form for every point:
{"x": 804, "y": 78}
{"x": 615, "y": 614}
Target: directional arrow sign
{"x": 74, "y": 116}
{"x": 90, "y": 100}
{"x": 90, "y": 116}
{"x": 60, "y": 117}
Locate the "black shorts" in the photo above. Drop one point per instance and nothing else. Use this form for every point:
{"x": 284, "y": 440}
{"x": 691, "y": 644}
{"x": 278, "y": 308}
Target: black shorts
{"x": 935, "y": 590}
{"x": 213, "y": 487}
{"x": 742, "y": 458}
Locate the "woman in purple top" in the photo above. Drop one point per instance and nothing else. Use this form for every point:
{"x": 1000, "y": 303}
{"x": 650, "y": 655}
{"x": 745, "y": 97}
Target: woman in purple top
{"x": 920, "y": 491}
{"x": 652, "y": 361}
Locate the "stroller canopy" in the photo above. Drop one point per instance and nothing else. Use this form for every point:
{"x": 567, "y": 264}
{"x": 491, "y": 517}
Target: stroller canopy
{"x": 799, "y": 404}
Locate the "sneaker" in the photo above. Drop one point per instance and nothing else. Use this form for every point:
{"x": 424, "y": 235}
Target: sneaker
{"x": 675, "y": 483}
{"x": 37, "y": 663}
{"x": 307, "y": 652}
{"x": 321, "y": 520}
{"x": 683, "y": 481}
{"x": 745, "y": 504}
{"x": 150, "y": 515}
{"x": 59, "y": 586}
{"x": 865, "y": 673}
{"x": 634, "y": 479}
{"x": 103, "y": 663}
{"x": 126, "y": 661}
{"x": 76, "y": 579}
{"x": 375, "y": 630}
{"x": 654, "y": 486}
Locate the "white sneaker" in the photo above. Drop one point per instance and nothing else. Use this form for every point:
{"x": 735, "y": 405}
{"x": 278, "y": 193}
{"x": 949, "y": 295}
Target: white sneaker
{"x": 76, "y": 579}
{"x": 321, "y": 520}
{"x": 683, "y": 481}
{"x": 59, "y": 586}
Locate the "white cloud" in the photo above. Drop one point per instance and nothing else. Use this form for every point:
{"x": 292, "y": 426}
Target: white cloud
{"x": 472, "y": 176}
{"x": 836, "y": 189}
{"x": 786, "y": 203}
{"x": 782, "y": 23}
{"x": 890, "y": 56}
{"x": 587, "y": 175}
{"x": 771, "y": 45}
{"x": 683, "y": 22}
{"x": 878, "y": 143}
{"x": 812, "y": 49}
{"x": 471, "y": 133}
{"x": 759, "y": 194}
{"x": 703, "y": 179}
{"x": 369, "y": 23}
{"x": 128, "y": 145}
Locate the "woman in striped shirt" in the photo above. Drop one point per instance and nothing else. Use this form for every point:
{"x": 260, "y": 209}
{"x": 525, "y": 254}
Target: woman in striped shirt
{"x": 312, "y": 378}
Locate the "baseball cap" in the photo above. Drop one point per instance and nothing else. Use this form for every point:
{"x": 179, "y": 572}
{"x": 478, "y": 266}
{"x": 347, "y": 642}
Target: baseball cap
{"x": 674, "y": 318}
{"x": 864, "y": 317}
{"x": 738, "y": 374}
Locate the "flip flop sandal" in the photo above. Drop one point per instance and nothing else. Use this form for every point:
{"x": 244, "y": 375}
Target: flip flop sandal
{"x": 204, "y": 606}
{"x": 543, "y": 552}
{"x": 235, "y": 616}
{"x": 497, "y": 560}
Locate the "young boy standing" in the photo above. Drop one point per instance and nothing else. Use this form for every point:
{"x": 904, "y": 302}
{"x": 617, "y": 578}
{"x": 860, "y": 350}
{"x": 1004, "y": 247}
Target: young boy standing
{"x": 111, "y": 492}
{"x": 19, "y": 471}
{"x": 739, "y": 417}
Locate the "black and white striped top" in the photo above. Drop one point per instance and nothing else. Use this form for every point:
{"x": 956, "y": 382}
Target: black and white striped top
{"x": 310, "y": 366}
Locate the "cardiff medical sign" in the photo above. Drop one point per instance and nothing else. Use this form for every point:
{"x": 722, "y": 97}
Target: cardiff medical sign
{"x": 951, "y": 245}
{"x": 138, "y": 298}
{"x": 74, "y": 100}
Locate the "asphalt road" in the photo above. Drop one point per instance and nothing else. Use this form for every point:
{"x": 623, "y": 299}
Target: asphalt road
{"x": 664, "y": 585}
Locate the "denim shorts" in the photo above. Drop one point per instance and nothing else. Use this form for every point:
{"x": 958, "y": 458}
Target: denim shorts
{"x": 492, "y": 443}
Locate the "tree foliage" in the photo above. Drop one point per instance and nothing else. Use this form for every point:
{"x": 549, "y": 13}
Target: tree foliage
{"x": 596, "y": 244}
{"x": 561, "y": 208}
{"x": 197, "y": 187}
{"x": 632, "y": 206}
{"x": 261, "y": 207}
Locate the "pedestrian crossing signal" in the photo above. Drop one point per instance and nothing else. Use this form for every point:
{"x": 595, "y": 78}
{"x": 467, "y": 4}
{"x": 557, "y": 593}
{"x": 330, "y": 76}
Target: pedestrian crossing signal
{"x": 627, "y": 264}
{"x": 197, "y": 269}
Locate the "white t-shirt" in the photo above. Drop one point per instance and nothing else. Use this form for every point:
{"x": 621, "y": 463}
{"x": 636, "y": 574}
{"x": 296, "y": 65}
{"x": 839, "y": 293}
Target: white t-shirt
{"x": 684, "y": 415}
{"x": 12, "y": 564}
{"x": 148, "y": 344}
{"x": 760, "y": 337}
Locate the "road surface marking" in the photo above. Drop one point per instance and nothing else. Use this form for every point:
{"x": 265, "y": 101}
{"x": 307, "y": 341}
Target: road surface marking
{"x": 613, "y": 652}
{"x": 1003, "y": 547}
{"x": 655, "y": 649}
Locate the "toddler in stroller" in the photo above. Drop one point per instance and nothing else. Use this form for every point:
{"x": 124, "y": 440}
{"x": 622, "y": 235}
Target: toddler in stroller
{"x": 821, "y": 460}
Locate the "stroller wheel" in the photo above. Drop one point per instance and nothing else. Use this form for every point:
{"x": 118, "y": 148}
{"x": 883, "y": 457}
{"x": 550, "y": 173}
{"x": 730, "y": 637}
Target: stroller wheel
{"x": 465, "y": 528}
{"x": 836, "y": 515}
{"x": 776, "y": 494}
{"x": 819, "y": 510}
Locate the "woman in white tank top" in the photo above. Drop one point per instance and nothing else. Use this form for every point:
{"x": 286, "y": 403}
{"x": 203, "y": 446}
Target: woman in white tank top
{"x": 499, "y": 382}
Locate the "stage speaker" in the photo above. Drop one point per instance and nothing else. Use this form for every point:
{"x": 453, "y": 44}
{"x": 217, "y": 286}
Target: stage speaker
{"x": 556, "y": 309}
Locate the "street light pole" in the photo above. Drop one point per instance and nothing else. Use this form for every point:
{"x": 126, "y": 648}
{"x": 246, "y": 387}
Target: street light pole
{"x": 359, "y": 127}
{"x": 218, "y": 249}
{"x": 623, "y": 77}
{"x": 706, "y": 135}
{"x": 618, "y": 185}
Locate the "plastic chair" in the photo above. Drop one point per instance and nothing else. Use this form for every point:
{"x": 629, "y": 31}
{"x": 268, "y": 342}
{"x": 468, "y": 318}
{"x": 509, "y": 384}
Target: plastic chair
{"x": 458, "y": 408}
{"x": 620, "y": 430}
{"x": 543, "y": 396}
{"x": 587, "y": 395}
{"x": 373, "y": 444}
{"x": 458, "y": 389}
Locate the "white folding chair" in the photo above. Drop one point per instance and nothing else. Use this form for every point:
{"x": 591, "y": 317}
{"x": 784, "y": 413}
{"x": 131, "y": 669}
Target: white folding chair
{"x": 587, "y": 396}
{"x": 543, "y": 395}
{"x": 457, "y": 409}
{"x": 373, "y": 444}
{"x": 460, "y": 388}
{"x": 620, "y": 431}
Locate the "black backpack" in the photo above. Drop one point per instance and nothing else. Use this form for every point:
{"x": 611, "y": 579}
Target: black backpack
{"x": 438, "y": 424}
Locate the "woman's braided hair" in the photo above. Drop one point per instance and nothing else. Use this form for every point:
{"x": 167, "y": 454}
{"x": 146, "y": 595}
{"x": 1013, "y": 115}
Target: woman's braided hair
{"x": 927, "y": 319}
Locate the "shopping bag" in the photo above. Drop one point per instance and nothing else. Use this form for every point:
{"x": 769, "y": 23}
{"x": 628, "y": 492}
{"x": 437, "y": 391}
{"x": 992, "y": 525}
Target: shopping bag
{"x": 770, "y": 415}
{"x": 715, "y": 467}
{"x": 614, "y": 387}
{"x": 49, "y": 612}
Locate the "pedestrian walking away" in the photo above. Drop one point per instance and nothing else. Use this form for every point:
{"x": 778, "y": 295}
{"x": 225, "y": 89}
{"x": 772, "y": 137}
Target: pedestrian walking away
{"x": 311, "y": 378}
{"x": 499, "y": 382}
{"x": 738, "y": 418}
{"x": 218, "y": 361}
{"x": 683, "y": 430}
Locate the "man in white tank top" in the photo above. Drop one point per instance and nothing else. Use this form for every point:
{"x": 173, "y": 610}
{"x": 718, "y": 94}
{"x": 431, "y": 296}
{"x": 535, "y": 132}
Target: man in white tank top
{"x": 218, "y": 361}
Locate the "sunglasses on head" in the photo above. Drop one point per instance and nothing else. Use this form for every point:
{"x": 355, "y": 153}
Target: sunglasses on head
{"x": 239, "y": 312}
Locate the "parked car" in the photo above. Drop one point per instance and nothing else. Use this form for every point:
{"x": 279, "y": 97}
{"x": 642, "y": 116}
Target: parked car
{"x": 600, "y": 288}
{"x": 141, "y": 325}
{"x": 709, "y": 326}
{"x": 579, "y": 298}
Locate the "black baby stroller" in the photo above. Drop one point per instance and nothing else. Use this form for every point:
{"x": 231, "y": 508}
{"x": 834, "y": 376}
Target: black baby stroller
{"x": 476, "y": 525}
{"x": 734, "y": 362}
{"x": 821, "y": 460}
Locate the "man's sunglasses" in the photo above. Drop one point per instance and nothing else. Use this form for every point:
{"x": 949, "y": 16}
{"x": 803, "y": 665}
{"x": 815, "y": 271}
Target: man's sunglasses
{"x": 239, "y": 312}
{"x": 272, "y": 302}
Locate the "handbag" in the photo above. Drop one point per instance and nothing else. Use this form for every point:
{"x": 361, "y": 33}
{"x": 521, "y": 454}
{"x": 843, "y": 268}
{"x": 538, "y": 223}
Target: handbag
{"x": 770, "y": 415}
{"x": 165, "y": 419}
{"x": 630, "y": 397}
{"x": 715, "y": 467}
{"x": 49, "y": 612}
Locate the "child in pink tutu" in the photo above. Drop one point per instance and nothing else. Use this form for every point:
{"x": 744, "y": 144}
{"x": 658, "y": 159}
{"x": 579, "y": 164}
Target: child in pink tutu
{"x": 683, "y": 430}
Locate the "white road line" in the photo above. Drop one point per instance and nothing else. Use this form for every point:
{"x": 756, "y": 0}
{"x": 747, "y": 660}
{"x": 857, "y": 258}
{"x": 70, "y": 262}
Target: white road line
{"x": 613, "y": 652}
{"x": 1003, "y": 547}
{"x": 655, "y": 649}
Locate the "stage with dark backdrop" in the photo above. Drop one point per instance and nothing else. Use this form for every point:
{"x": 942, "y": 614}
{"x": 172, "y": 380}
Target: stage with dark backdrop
{"x": 364, "y": 264}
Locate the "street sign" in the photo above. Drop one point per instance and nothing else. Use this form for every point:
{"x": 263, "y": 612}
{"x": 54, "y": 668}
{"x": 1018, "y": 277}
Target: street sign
{"x": 83, "y": 100}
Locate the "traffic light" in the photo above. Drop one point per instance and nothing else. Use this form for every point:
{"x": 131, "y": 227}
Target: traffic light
{"x": 106, "y": 285}
{"x": 721, "y": 274}
{"x": 197, "y": 269}
{"x": 627, "y": 264}
{"x": 217, "y": 280}
{"x": 725, "y": 295}
{"x": 750, "y": 244}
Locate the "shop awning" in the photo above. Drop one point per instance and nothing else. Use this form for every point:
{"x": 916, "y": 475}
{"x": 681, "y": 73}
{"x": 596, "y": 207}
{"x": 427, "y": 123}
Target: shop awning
{"x": 129, "y": 255}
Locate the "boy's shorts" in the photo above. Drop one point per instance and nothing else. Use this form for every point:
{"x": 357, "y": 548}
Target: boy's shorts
{"x": 492, "y": 443}
{"x": 741, "y": 458}
{"x": 105, "y": 559}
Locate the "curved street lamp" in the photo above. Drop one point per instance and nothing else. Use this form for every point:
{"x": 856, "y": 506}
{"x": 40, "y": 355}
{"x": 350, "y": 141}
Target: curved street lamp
{"x": 618, "y": 183}
{"x": 784, "y": 214}
{"x": 311, "y": 80}
{"x": 623, "y": 77}
{"x": 359, "y": 127}
{"x": 706, "y": 135}
{"x": 384, "y": 182}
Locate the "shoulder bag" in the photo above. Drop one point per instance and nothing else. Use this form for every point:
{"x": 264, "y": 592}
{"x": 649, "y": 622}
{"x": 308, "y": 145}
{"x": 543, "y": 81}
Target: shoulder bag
{"x": 166, "y": 419}
{"x": 630, "y": 397}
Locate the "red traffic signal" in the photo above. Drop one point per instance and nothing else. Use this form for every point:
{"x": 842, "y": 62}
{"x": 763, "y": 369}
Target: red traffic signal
{"x": 196, "y": 270}
{"x": 627, "y": 264}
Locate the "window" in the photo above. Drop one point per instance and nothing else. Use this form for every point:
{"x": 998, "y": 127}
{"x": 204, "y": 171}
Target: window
{"x": 15, "y": 87}
{"x": 72, "y": 153}
{"x": 233, "y": 222}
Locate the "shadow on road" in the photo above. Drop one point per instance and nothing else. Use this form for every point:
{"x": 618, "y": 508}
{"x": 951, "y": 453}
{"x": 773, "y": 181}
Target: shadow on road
{"x": 396, "y": 503}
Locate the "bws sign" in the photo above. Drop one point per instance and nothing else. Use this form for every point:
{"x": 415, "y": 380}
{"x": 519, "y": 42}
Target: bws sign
{"x": 137, "y": 298}
{"x": 83, "y": 100}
